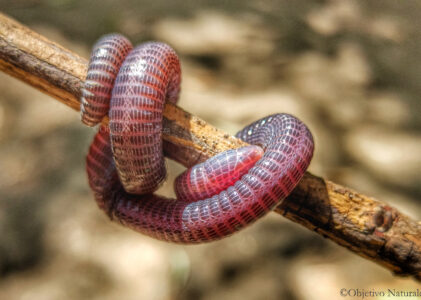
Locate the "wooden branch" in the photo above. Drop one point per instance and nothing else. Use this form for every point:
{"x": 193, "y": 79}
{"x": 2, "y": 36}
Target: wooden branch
{"x": 362, "y": 224}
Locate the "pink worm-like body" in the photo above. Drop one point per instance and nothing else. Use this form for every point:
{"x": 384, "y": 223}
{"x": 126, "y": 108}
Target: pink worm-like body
{"x": 215, "y": 198}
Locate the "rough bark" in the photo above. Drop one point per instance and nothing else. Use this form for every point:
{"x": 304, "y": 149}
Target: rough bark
{"x": 364, "y": 225}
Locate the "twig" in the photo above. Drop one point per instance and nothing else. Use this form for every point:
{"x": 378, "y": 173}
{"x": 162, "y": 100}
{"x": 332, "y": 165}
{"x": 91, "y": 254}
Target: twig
{"x": 364, "y": 225}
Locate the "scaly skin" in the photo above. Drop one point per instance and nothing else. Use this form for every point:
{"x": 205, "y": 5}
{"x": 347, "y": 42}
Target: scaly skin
{"x": 107, "y": 56}
{"x": 214, "y": 199}
{"x": 216, "y": 174}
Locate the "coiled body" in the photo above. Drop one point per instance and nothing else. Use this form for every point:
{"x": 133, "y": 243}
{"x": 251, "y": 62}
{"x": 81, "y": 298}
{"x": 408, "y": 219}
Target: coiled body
{"x": 216, "y": 198}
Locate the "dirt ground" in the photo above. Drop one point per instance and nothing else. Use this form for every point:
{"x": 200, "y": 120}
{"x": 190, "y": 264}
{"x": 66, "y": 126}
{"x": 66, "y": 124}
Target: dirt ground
{"x": 351, "y": 70}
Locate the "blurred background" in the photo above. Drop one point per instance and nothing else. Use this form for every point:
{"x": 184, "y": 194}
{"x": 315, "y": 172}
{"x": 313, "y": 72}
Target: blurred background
{"x": 351, "y": 70}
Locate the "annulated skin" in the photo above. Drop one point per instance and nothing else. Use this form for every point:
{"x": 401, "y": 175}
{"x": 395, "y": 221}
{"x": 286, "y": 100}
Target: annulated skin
{"x": 107, "y": 56}
{"x": 149, "y": 76}
{"x": 235, "y": 190}
{"x": 216, "y": 174}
